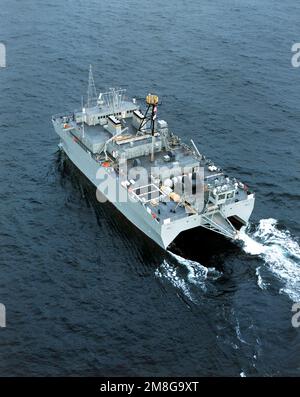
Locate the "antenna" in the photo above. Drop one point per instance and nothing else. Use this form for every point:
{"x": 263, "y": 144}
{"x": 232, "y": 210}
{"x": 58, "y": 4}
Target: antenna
{"x": 83, "y": 117}
{"x": 113, "y": 99}
{"x": 92, "y": 93}
{"x": 196, "y": 149}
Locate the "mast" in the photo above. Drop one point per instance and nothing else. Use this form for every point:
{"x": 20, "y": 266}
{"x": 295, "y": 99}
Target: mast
{"x": 92, "y": 93}
{"x": 83, "y": 117}
{"x": 152, "y": 102}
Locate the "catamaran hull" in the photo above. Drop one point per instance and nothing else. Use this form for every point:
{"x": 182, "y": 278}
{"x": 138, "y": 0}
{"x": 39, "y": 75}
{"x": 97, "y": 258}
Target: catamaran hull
{"x": 161, "y": 233}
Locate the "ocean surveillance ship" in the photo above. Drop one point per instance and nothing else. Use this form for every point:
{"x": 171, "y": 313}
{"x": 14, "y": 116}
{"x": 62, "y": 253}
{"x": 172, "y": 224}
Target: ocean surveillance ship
{"x": 159, "y": 183}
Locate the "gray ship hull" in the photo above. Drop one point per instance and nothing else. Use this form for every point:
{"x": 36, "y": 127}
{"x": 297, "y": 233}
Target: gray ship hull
{"x": 161, "y": 233}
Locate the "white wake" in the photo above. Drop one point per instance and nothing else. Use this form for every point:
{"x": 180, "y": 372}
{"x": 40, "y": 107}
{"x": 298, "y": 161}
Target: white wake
{"x": 280, "y": 252}
{"x": 278, "y": 249}
{"x": 197, "y": 274}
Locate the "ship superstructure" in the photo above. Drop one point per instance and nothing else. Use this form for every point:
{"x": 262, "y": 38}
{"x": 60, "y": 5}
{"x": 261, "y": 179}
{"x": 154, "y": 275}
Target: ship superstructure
{"x": 162, "y": 185}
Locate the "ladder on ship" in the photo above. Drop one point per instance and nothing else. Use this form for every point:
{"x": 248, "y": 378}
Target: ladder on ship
{"x": 217, "y": 222}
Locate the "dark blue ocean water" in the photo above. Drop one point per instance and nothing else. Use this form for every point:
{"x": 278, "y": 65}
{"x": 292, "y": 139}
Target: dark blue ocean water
{"x": 85, "y": 292}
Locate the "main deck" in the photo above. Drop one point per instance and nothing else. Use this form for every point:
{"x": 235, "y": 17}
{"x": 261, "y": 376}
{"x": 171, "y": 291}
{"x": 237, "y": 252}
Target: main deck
{"x": 170, "y": 179}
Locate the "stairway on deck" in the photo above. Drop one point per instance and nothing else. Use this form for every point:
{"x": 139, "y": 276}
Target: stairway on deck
{"x": 216, "y": 221}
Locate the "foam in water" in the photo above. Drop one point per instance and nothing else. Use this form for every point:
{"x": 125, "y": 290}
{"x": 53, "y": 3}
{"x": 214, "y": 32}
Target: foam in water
{"x": 238, "y": 332}
{"x": 260, "y": 282}
{"x": 250, "y": 245}
{"x": 197, "y": 274}
{"x": 280, "y": 251}
{"x": 170, "y": 273}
